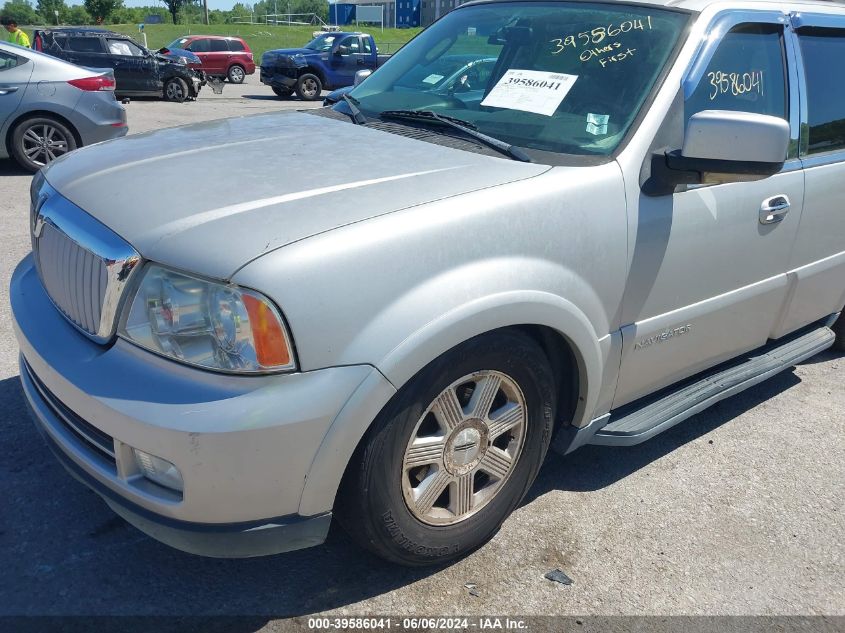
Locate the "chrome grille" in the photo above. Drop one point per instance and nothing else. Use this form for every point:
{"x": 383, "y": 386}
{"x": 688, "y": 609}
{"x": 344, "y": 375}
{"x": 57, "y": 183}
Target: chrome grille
{"x": 84, "y": 266}
{"x": 74, "y": 277}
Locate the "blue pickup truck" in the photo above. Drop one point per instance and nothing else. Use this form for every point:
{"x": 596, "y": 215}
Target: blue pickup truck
{"x": 328, "y": 61}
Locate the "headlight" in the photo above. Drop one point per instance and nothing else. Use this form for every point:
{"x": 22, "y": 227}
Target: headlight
{"x": 208, "y": 324}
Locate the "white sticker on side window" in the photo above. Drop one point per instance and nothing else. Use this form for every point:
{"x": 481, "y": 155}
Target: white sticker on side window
{"x": 530, "y": 90}
{"x": 432, "y": 79}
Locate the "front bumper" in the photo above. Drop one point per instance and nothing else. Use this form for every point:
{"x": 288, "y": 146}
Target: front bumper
{"x": 244, "y": 444}
{"x": 275, "y": 78}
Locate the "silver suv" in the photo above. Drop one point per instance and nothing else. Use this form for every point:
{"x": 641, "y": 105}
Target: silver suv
{"x": 634, "y": 214}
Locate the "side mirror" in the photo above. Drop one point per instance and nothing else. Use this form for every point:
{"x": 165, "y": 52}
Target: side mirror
{"x": 725, "y": 146}
{"x": 341, "y": 50}
{"x": 361, "y": 75}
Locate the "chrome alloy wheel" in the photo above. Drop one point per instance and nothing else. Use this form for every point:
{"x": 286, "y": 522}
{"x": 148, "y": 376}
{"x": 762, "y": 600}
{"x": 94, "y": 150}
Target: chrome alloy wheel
{"x": 174, "y": 91}
{"x": 309, "y": 87}
{"x": 236, "y": 74}
{"x": 43, "y": 143}
{"x": 463, "y": 448}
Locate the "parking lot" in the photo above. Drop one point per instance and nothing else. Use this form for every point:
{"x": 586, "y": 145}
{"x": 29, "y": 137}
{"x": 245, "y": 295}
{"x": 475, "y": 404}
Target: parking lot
{"x": 738, "y": 511}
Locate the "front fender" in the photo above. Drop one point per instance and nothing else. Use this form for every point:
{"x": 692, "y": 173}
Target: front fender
{"x": 426, "y": 344}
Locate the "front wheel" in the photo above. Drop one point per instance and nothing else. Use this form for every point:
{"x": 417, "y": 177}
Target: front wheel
{"x": 453, "y": 453}
{"x": 38, "y": 141}
{"x": 309, "y": 87}
{"x": 176, "y": 90}
{"x": 236, "y": 74}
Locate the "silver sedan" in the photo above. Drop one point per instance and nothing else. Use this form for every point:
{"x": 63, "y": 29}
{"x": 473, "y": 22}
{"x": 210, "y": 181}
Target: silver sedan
{"x": 49, "y": 107}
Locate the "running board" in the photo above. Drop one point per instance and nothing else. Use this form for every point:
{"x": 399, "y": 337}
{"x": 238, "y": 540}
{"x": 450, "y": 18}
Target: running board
{"x": 646, "y": 421}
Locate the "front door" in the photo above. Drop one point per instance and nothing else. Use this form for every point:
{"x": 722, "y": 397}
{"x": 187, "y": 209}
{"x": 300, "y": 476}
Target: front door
{"x": 134, "y": 68}
{"x": 347, "y": 59}
{"x": 708, "y": 275}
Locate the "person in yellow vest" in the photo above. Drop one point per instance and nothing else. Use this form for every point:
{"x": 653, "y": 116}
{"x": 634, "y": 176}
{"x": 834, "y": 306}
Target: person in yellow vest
{"x": 16, "y": 36}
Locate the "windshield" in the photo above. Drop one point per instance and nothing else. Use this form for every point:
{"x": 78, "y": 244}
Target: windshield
{"x": 321, "y": 43}
{"x": 178, "y": 43}
{"x": 564, "y": 77}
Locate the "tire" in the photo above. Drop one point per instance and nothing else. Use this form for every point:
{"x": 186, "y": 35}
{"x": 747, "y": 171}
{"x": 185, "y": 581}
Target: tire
{"x": 236, "y": 74}
{"x": 309, "y": 87}
{"x": 176, "y": 90}
{"x": 38, "y": 141}
{"x": 839, "y": 330}
{"x": 384, "y": 500}
{"x": 281, "y": 92}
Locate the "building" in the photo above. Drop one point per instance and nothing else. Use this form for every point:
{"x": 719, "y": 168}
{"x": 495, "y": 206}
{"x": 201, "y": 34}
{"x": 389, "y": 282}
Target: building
{"x": 397, "y": 13}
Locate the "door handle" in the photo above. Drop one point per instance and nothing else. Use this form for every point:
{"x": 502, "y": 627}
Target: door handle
{"x": 774, "y": 209}
{"x": 5, "y": 90}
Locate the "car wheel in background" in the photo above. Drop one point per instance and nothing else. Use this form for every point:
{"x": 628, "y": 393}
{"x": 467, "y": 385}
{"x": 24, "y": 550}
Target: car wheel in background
{"x": 40, "y": 140}
{"x": 281, "y": 92}
{"x": 236, "y": 74}
{"x": 176, "y": 90}
{"x": 453, "y": 453}
{"x": 309, "y": 87}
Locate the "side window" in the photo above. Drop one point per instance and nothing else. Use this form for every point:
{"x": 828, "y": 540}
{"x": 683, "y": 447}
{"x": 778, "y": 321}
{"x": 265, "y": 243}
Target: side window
{"x": 125, "y": 48}
{"x": 199, "y": 46}
{"x": 746, "y": 73}
{"x": 8, "y": 61}
{"x": 85, "y": 44}
{"x": 365, "y": 44}
{"x": 236, "y": 45}
{"x": 825, "y": 88}
{"x": 351, "y": 43}
{"x": 218, "y": 46}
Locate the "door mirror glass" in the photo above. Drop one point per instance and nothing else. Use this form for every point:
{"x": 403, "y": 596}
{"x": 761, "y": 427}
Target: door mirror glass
{"x": 341, "y": 50}
{"x": 361, "y": 75}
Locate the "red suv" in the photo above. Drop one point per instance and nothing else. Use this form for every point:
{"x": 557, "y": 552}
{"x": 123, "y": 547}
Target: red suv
{"x": 227, "y": 57}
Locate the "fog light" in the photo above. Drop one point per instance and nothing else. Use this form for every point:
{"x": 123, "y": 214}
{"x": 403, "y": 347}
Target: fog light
{"x": 158, "y": 470}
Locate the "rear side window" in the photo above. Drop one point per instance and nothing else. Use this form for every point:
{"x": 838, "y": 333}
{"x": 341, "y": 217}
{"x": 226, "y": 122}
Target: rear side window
{"x": 236, "y": 45}
{"x": 8, "y": 61}
{"x": 825, "y": 88}
{"x": 365, "y": 43}
{"x": 747, "y": 73}
{"x": 85, "y": 44}
{"x": 199, "y": 46}
{"x": 218, "y": 46}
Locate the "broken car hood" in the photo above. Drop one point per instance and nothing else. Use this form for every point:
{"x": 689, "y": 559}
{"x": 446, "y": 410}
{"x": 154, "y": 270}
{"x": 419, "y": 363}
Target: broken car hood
{"x": 213, "y": 196}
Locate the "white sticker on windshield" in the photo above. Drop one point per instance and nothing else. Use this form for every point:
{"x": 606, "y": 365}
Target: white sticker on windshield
{"x": 530, "y": 90}
{"x": 597, "y": 123}
{"x": 432, "y": 79}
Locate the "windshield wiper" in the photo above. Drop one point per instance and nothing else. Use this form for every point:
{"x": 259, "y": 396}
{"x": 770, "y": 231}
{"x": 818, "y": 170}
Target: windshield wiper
{"x": 459, "y": 124}
{"x": 357, "y": 116}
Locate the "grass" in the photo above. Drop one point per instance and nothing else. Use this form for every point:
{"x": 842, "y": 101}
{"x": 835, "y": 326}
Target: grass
{"x": 259, "y": 37}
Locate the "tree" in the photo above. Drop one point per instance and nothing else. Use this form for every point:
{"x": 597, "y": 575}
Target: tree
{"x": 101, "y": 9}
{"x": 22, "y": 12}
{"x": 175, "y": 6}
{"x": 47, "y": 9}
{"x": 77, "y": 16}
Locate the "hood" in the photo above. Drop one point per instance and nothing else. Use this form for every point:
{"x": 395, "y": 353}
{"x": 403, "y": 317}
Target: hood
{"x": 211, "y": 197}
{"x": 281, "y": 54}
{"x": 176, "y": 53}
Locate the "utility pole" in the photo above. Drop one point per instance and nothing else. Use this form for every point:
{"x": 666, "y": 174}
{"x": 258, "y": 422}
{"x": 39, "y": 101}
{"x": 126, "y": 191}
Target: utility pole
{"x": 205, "y": 7}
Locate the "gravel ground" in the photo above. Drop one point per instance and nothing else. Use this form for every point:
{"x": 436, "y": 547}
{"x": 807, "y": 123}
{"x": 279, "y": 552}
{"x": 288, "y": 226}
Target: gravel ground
{"x": 737, "y": 511}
